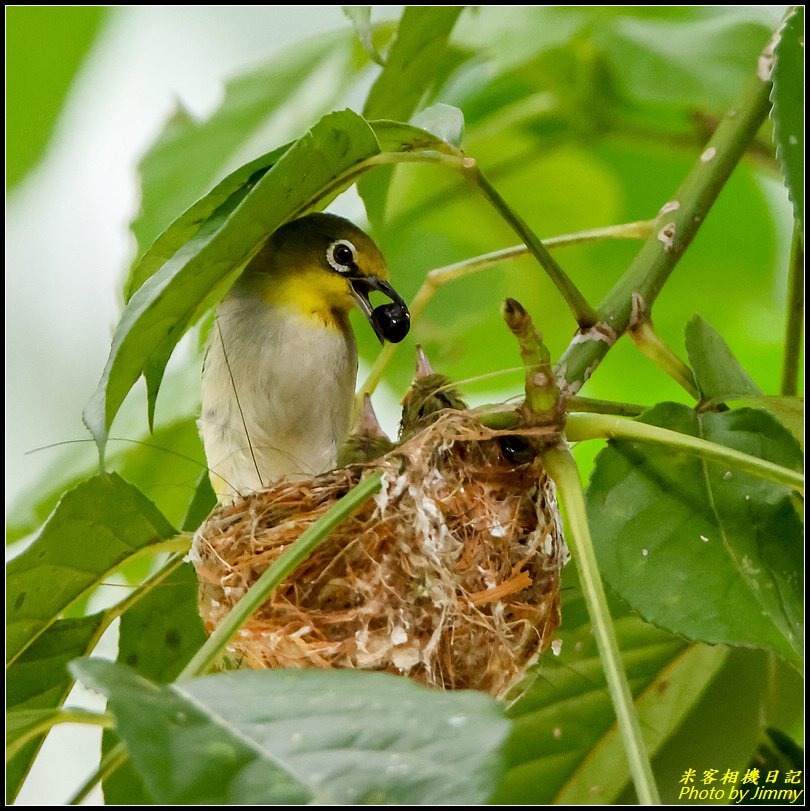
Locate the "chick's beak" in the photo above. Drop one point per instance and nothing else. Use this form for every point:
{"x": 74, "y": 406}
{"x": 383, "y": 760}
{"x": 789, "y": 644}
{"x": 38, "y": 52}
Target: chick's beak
{"x": 390, "y": 322}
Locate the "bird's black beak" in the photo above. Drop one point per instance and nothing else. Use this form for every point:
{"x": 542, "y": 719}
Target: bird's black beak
{"x": 390, "y": 322}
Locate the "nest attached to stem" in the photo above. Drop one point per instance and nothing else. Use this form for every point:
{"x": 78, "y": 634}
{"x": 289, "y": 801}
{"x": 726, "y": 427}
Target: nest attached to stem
{"x": 449, "y": 575}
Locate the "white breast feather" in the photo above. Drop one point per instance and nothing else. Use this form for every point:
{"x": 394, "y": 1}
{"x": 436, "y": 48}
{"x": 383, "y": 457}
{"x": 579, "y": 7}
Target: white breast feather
{"x": 295, "y": 382}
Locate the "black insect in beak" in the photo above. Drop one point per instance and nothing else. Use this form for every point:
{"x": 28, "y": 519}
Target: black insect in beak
{"x": 390, "y": 322}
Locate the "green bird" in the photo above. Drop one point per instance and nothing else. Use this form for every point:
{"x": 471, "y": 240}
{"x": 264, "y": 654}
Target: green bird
{"x": 281, "y": 364}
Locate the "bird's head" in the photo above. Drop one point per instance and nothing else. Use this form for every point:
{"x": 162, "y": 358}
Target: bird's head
{"x": 324, "y": 265}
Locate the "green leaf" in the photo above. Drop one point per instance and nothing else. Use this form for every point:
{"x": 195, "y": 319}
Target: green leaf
{"x": 45, "y": 49}
{"x": 24, "y": 725}
{"x": 163, "y": 466}
{"x": 39, "y": 680}
{"x": 421, "y": 41}
{"x": 414, "y": 57}
{"x": 293, "y": 736}
{"x": 162, "y": 631}
{"x": 788, "y": 410}
{"x": 708, "y": 553}
{"x": 360, "y": 18}
{"x": 94, "y": 529}
{"x": 157, "y": 637}
{"x": 205, "y": 217}
{"x": 202, "y": 503}
{"x": 159, "y": 312}
{"x": 787, "y": 113}
{"x": 191, "y": 156}
{"x": 444, "y": 121}
{"x": 718, "y": 373}
{"x": 696, "y": 63}
{"x": 564, "y": 747}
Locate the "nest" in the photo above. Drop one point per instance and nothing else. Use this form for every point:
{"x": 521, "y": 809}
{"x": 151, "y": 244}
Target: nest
{"x": 450, "y": 575}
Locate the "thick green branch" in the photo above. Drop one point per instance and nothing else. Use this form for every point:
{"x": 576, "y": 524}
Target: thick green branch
{"x": 632, "y": 297}
{"x": 795, "y": 317}
{"x": 563, "y": 469}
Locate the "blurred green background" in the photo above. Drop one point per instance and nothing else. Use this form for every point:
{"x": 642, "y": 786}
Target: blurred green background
{"x": 580, "y": 116}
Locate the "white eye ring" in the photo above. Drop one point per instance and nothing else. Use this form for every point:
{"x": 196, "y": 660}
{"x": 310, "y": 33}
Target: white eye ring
{"x": 340, "y": 267}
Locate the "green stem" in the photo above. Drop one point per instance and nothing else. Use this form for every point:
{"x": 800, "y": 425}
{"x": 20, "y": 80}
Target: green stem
{"x": 137, "y": 594}
{"x": 501, "y": 417}
{"x": 590, "y": 405}
{"x": 563, "y": 469}
{"x": 639, "y": 229}
{"x": 438, "y": 277}
{"x": 632, "y": 297}
{"x": 118, "y": 609}
{"x": 584, "y": 314}
{"x": 299, "y": 551}
{"x": 110, "y": 763}
{"x": 420, "y": 156}
{"x": 65, "y": 716}
{"x": 795, "y": 317}
{"x": 498, "y": 417}
{"x": 604, "y": 426}
{"x": 177, "y": 543}
{"x": 659, "y": 352}
{"x": 117, "y": 756}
